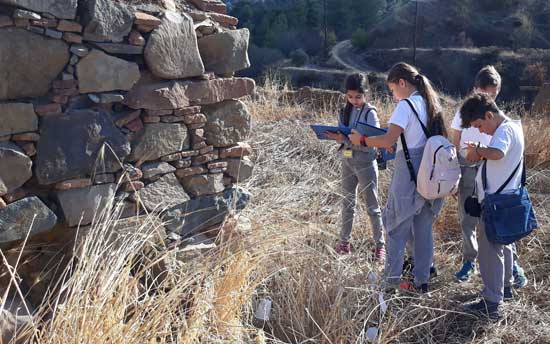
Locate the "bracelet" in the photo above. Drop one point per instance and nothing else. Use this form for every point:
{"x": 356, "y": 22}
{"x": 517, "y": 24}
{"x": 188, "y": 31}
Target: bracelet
{"x": 477, "y": 152}
{"x": 363, "y": 143}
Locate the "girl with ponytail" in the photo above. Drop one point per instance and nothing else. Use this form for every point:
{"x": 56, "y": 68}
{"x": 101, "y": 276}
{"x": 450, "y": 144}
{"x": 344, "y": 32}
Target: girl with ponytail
{"x": 408, "y": 216}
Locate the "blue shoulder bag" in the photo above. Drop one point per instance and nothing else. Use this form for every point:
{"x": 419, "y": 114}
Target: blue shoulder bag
{"x": 508, "y": 217}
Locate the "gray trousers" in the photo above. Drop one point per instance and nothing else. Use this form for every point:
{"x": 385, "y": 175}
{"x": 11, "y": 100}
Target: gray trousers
{"x": 361, "y": 177}
{"x": 418, "y": 231}
{"x": 495, "y": 266}
{"x": 468, "y": 223}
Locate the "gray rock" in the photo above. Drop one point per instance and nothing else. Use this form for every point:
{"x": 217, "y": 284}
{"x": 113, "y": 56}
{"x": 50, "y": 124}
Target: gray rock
{"x": 36, "y": 29}
{"x": 203, "y": 184}
{"x": 159, "y": 139}
{"x": 239, "y": 169}
{"x": 53, "y": 33}
{"x": 179, "y": 94}
{"x": 74, "y": 60}
{"x": 162, "y": 194}
{"x": 76, "y": 145}
{"x": 63, "y": 9}
{"x": 106, "y": 20}
{"x": 81, "y": 206}
{"x": 201, "y": 213}
{"x": 226, "y": 51}
{"x": 155, "y": 169}
{"x": 79, "y": 50}
{"x": 22, "y": 14}
{"x": 17, "y": 118}
{"x": 120, "y": 48}
{"x": 30, "y": 63}
{"x": 106, "y": 98}
{"x": 21, "y": 216}
{"x": 171, "y": 51}
{"x": 228, "y": 123}
{"x": 99, "y": 72}
{"x": 16, "y": 167}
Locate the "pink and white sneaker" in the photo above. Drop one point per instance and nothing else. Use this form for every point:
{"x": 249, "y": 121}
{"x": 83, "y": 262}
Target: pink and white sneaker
{"x": 343, "y": 248}
{"x": 380, "y": 254}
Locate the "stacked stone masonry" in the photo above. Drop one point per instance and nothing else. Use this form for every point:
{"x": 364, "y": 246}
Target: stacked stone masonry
{"x": 106, "y": 100}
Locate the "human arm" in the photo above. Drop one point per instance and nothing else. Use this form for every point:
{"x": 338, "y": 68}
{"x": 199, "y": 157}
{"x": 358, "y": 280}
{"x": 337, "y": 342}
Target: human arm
{"x": 476, "y": 152}
{"x": 383, "y": 141}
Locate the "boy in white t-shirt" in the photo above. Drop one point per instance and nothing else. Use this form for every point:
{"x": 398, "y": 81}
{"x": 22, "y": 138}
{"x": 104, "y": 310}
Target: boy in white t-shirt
{"x": 503, "y": 154}
{"x": 488, "y": 81}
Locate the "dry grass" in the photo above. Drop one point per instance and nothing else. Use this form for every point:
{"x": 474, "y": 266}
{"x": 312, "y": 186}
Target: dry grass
{"x": 113, "y": 291}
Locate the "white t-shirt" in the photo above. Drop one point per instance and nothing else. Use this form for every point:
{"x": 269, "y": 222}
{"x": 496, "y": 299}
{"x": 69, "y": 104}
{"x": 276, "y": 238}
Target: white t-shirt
{"x": 468, "y": 134}
{"x": 508, "y": 138}
{"x": 404, "y": 117}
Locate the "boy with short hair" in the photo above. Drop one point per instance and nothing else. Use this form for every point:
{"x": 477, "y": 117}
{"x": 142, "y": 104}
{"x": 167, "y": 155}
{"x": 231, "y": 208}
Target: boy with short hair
{"x": 488, "y": 81}
{"x": 503, "y": 154}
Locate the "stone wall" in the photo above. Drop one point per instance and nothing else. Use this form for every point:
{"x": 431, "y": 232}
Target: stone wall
{"x": 134, "y": 100}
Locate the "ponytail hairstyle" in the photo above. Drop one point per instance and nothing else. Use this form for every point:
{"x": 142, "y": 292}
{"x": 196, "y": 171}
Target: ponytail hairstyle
{"x": 354, "y": 82}
{"x": 402, "y": 70}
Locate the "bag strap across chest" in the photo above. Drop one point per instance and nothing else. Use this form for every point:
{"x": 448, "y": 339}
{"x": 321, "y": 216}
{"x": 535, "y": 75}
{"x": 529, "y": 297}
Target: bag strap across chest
{"x": 523, "y": 176}
{"x": 404, "y": 142}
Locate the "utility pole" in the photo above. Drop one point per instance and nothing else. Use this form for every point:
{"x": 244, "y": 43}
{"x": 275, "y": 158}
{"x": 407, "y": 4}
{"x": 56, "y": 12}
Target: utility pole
{"x": 414, "y": 32}
{"x": 325, "y": 25}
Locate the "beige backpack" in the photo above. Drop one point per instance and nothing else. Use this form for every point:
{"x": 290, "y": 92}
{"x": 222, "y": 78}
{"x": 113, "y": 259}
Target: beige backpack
{"x": 439, "y": 172}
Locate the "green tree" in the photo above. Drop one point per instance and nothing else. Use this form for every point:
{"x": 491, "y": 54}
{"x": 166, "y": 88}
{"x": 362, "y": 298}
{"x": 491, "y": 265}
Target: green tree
{"x": 299, "y": 57}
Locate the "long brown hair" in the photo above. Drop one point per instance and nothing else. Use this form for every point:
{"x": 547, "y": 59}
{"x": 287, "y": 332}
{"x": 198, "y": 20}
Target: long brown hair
{"x": 354, "y": 82}
{"x": 402, "y": 70}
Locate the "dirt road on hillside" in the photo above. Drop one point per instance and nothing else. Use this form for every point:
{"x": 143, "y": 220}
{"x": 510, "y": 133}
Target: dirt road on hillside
{"x": 343, "y": 54}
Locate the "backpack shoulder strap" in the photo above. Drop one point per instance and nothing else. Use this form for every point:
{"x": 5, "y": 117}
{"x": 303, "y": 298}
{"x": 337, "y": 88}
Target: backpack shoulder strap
{"x": 523, "y": 176}
{"x": 408, "y": 158}
{"x": 424, "y": 129}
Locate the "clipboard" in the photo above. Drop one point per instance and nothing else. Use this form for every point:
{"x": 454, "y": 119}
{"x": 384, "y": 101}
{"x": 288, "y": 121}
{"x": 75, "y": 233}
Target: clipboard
{"x": 321, "y": 129}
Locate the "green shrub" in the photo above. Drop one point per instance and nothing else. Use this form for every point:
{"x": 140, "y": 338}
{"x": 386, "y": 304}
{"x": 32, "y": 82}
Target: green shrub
{"x": 360, "y": 39}
{"x": 299, "y": 57}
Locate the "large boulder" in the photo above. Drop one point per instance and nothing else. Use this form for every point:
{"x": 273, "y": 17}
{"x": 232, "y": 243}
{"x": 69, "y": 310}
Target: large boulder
{"x": 17, "y": 118}
{"x": 99, "y": 72}
{"x": 203, "y": 184}
{"x": 225, "y": 52}
{"x": 62, "y": 9}
{"x": 179, "y": 94}
{"x": 29, "y": 63}
{"x": 16, "y": 167}
{"x": 20, "y": 217}
{"x": 159, "y": 139}
{"x": 204, "y": 212}
{"x": 106, "y": 20}
{"x": 81, "y": 206}
{"x": 171, "y": 51}
{"x": 239, "y": 169}
{"x": 228, "y": 123}
{"x": 77, "y": 145}
{"x": 162, "y": 194}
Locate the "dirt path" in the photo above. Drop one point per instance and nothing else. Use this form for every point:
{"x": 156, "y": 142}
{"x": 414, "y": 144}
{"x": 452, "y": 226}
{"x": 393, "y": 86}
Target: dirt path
{"x": 344, "y": 55}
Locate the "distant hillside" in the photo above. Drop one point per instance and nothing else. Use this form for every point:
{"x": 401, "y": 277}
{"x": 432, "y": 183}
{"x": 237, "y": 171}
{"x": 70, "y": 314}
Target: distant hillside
{"x": 466, "y": 23}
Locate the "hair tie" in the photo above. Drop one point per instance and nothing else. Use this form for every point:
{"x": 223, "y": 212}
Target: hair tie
{"x": 419, "y": 79}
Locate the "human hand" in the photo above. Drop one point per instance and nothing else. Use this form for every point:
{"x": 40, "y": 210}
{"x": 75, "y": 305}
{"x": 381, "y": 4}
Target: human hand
{"x": 355, "y": 137}
{"x": 471, "y": 152}
{"x": 335, "y": 136}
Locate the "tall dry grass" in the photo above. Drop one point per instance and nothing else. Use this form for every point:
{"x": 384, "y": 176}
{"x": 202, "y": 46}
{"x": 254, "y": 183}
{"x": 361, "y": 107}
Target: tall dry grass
{"x": 124, "y": 285}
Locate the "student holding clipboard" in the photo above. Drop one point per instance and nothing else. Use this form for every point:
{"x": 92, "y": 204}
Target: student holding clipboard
{"x": 408, "y": 216}
{"x": 359, "y": 167}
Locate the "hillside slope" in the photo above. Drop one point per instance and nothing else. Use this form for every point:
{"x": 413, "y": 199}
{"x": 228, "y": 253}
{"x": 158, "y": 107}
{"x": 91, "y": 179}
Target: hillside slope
{"x": 443, "y": 23}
